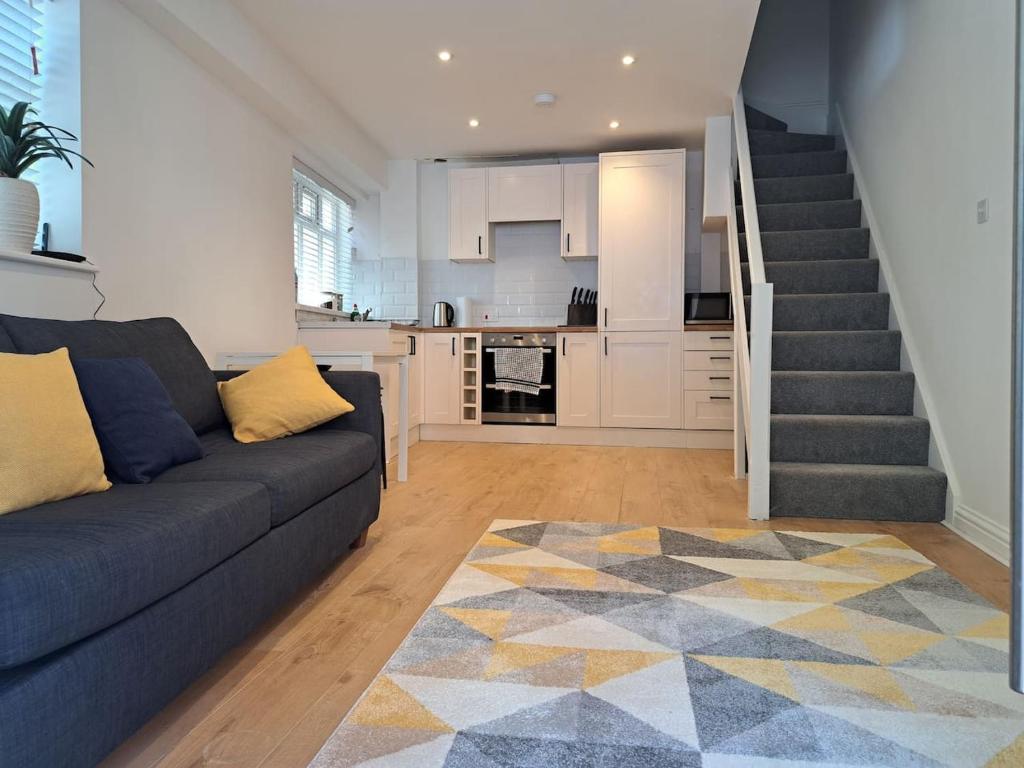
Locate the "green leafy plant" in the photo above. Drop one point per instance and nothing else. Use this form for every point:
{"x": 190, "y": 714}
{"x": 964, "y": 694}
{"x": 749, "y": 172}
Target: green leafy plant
{"x": 25, "y": 141}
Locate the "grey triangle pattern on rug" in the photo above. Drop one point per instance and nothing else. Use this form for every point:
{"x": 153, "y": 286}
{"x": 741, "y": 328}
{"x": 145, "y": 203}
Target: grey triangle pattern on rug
{"x": 569, "y": 645}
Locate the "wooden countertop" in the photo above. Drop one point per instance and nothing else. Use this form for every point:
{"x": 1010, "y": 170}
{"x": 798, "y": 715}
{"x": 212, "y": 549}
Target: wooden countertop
{"x": 708, "y": 327}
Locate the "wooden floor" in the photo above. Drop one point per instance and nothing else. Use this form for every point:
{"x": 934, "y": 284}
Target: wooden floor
{"x": 273, "y": 701}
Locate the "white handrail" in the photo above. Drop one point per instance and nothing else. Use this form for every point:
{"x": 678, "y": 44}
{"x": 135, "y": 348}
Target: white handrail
{"x": 754, "y": 359}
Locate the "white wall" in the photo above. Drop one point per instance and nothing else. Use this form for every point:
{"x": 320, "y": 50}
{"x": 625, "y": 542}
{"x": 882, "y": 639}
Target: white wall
{"x": 925, "y": 89}
{"x": 188, "y": 211}
{"x": 787, "y": 70}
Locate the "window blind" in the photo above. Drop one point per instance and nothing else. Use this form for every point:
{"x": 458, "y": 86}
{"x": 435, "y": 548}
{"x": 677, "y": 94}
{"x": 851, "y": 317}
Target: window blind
{"x": 21, "y": 28}
{"x": 323, "y": 241}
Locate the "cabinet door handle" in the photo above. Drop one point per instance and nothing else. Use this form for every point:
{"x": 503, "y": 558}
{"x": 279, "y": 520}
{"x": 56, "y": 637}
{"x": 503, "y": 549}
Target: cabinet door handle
{"x": 606, "y": 317}
{"x": 719, "y": 378}
{"x": 568, "y": 247}
{"x": 720, "y": 338}
{"x": 453, "y": 346}
{"x": 563, "y": 346}
{"x": 412, "y": 345}
{"x": 606, "y": 346}
{"x": 480, "y": 245}
{"x": 719, "y": 358}
{"x": 720, "y": 397}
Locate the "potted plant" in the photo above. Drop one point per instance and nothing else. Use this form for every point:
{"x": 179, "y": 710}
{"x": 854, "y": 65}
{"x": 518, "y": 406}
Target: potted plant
{"x": 25, "y": 141}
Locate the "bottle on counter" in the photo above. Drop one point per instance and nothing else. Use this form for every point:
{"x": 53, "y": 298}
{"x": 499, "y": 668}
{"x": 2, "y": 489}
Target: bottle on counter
{"x": 354, "y": 314}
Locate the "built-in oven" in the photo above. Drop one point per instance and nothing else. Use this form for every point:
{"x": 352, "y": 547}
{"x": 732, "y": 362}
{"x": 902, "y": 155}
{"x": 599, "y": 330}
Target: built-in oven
{"x": 503, "y": 407}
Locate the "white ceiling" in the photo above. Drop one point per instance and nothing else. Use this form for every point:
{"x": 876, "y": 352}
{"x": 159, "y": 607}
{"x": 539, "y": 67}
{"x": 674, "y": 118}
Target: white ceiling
{"x": 377, "y": 59}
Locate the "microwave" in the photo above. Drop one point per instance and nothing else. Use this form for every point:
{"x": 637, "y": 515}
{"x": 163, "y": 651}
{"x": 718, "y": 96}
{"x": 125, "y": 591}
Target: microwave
{"x": 708, "y": 308}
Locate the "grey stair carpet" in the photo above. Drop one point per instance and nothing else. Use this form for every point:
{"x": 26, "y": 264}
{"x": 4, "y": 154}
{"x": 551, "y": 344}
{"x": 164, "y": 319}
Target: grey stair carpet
{"x": 844, "y": 440}
{"x": 758, "y": 120}
{"x": 829, "y": 312}
{"x": 803, "y": 189}
{"x": 836, "y": 276}
{"x": 812, "y": 245}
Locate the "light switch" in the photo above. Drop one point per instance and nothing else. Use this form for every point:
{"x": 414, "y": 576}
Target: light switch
{"x": 983, "y": 211}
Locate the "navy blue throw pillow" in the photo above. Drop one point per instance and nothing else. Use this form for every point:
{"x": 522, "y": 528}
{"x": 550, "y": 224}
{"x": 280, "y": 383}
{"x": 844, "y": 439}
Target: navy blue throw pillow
{"x": 139, "y": 431}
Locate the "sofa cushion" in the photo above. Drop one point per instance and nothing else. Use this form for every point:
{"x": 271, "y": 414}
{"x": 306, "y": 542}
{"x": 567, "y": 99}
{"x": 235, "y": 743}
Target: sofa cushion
{"x": 141, "y": 433}
{"x": 298, "y": 471}
{"x": 6, "y": 345}
{"x": 160, "y": 341}
{"x": 71, "y": 568}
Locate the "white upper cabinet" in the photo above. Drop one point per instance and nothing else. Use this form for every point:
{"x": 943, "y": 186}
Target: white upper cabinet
{"x": 579, "y": 210}
{"x": 467, "y": 215}
{"x": 578, "y": 378}
{"x": 524, "y": 193}
{"x": 640, "y": 277}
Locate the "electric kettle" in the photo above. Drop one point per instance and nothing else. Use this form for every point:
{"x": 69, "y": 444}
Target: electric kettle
{"x": 444, "y": 315}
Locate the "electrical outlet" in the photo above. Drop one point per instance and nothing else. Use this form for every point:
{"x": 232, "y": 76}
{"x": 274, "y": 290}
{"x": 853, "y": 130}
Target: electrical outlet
{"x": 983, "y": 210}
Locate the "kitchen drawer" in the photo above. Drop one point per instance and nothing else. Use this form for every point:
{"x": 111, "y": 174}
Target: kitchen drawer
{"x": 707, "y": 340}
{"x": 707, "y": 410}
{"x": 707, "y": 361}
{"x": 721, "y": 380}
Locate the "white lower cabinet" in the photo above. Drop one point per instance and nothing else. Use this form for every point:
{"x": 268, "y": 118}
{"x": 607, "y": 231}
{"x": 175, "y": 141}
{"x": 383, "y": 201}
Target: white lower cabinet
{"x": 708, "y": 410}
{"x": 442, "y": 376}
{"x": 577, "y": 380}
{"x": 415, "y": 379}
{"x": 641, "y": 379}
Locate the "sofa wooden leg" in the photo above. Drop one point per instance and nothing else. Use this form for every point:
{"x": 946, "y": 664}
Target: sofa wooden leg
{"x": 360, "y": 541}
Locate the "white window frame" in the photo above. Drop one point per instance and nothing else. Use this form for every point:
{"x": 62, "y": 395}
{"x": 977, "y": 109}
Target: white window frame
{"x": 323, "y": 244}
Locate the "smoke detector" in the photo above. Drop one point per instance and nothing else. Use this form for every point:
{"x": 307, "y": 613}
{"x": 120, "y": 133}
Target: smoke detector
{"x": 544, "y": 99}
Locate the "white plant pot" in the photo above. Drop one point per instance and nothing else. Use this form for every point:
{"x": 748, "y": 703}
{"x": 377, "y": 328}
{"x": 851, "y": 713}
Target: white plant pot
{"x": 19, "y": 216}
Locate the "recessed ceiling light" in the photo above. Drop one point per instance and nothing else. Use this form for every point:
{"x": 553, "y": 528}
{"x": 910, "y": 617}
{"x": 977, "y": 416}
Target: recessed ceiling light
{"x": 474, "y": 123}
{"x": 444, "y": 55}
{"x": 613, "y": 124}
{"x": 628, "y": 60}
{"x": 544, "y": 99}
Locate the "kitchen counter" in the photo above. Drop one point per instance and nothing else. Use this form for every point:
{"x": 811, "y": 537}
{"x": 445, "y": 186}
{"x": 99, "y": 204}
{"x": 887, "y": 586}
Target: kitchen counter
{"x": 708, "y": 327}
{"x": 512, "y": 329}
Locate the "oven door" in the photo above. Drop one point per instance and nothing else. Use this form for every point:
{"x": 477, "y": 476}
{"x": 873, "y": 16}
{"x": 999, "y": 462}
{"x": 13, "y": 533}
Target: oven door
{"x": 501, "y": 407}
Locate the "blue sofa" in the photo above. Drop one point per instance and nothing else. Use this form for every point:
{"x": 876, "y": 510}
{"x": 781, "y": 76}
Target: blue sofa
{"x": 112, "y": 603}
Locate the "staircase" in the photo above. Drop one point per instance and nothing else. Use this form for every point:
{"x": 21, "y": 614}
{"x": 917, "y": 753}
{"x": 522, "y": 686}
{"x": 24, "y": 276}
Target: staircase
{"x": 844, "y": 440}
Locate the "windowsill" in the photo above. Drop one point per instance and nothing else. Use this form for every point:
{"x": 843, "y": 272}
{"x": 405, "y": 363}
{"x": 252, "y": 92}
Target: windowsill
{"x": 321, "y": 311}
{"x": 48, "y": 263}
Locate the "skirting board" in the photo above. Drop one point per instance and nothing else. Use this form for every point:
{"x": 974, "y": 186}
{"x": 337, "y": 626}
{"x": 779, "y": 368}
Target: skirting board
{"x": 630, "y": 438}
{"x": 991, "y": 538}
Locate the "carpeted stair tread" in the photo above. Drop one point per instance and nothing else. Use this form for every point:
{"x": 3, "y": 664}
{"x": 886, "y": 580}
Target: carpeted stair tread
{"x": 802, "y": 189}
{"x": 786, "y": 217}
{"x": 776, "y": 142}
{"x": 857, "y": 491}
{"x": 832, "y": 439}
{"x": 812, "y": 244}
{"x": 845, "y": 393}
{"x": 836, "y": 350}
{"x": 829, "y": 311}
{"x": 758, "y": 120}
{"x": 831, "y": 276}
{"x": 798, "y": 164}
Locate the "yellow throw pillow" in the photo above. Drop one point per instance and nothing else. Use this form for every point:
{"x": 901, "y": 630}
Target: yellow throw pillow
{"x": 284, "y": 396}
{"x": 48, "y": 450}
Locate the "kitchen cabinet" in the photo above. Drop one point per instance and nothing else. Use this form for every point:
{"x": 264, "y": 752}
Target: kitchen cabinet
{"x": 577, "y": 380}
{"x": 579, "y": 211}
{"x": 641, "y": 379}
{"x": 524, "y": 193}
{"x": 415, "y": 379}
{"x": 708, "y": 379}
{"x": 442, "y": 375}
{"x": 467, "y": 215}
{"x": 640, "y": 273}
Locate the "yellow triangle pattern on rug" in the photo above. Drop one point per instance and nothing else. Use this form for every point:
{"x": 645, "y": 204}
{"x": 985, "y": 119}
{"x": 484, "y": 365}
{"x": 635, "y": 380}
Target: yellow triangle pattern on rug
{"x": 717, "y": 647}
{"x": 385, "y": 704}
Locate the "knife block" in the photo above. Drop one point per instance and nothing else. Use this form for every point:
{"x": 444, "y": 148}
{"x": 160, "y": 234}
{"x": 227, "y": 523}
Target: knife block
{"x": 581, "y": 314}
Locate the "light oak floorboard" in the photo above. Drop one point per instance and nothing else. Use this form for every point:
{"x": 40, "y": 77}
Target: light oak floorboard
{"x": 273, "y": 701}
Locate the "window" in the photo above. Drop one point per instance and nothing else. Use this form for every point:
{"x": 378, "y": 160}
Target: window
{"x": 21, "y": 26}
{"x": 323, "y": 240}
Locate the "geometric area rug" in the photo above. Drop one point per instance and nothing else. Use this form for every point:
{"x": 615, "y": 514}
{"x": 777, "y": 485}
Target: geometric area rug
{"x": 623, "y": 646}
